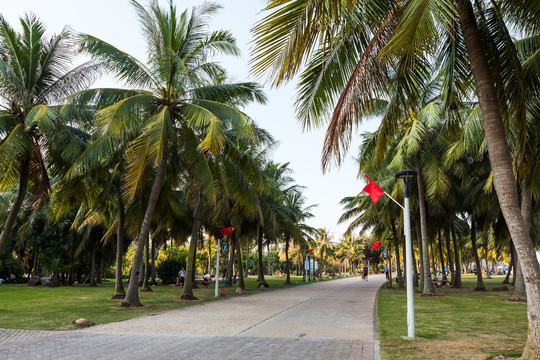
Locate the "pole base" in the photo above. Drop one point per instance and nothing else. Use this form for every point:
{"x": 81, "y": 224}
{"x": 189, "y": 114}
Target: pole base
{"x": 409, "y": 338}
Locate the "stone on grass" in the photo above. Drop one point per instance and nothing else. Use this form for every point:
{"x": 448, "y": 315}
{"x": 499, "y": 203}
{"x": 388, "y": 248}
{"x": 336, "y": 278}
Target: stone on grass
{"x": 239, "y": 291}
{"x": 316, "y": 279}
{"x": 295, "y": 282}
{"x": 83, "y": 322}
{"x": 223, "y": 293}
{"x": 34, "y": 280}
{"x": 261, "y": 287}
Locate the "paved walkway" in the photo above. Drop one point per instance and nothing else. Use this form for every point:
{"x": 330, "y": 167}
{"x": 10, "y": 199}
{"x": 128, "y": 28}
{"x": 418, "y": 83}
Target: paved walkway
{"x": 326, "y": 320}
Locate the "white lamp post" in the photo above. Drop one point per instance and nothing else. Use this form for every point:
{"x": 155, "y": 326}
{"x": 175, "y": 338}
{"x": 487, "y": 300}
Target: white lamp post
{"x": 406, "y": 175}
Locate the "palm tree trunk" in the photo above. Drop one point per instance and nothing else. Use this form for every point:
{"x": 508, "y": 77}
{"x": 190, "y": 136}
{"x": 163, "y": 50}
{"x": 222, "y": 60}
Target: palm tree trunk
{"x": 14, "y": 211}
{"x": 268, "y": 256}
{"x": 441, "y": 255}
{"x": 119, "y": 292}
{"x": 132, "y": 296}
{"x": 153, "y": 262}
{"x": 241, "y": 283}
{"x": 420, "y": 251}
{"x": 457, "y": 279}
{"x": 187, "y": 293}
{"x": 93, "y": 266}
{"x": 519, "y": 293}
{"x": 488, "y": 275}
{"x": 428, "y": 290}
{"x": 479, "y": 280}
{"x": 146, "y": 283}
{"x": 511, "y": 266}
{"x": 261, "y": 279}
{"x": 398, "y": 261}
{"x": 449, "y": 253}
{"x": 433, "y": 263}
{"x": 247, "y": 257}
{"x": 503, "y": 174}
{"x": 231, "y": 268}
{"x": 415, "y": 269}
{"x": 288, "y": 281}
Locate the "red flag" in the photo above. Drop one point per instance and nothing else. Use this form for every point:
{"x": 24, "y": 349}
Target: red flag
{"x": 226, "y": 231}
{"x": 375, "y": 245}
{"x": 373, "y": 190}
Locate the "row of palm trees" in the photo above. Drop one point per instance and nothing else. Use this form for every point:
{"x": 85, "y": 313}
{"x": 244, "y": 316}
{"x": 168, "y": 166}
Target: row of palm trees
{"x": 169, "y": 156}
{"x": 457, "y": 93}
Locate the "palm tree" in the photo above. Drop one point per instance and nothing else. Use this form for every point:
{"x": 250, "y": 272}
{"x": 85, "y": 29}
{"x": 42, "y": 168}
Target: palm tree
{"x": 176, "y": 96}
{"x": 294, "y": 31}
{"x": 35, "y": 79}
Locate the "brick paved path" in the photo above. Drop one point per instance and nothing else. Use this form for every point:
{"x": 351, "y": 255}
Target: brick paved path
{"x": 330, "y": 320}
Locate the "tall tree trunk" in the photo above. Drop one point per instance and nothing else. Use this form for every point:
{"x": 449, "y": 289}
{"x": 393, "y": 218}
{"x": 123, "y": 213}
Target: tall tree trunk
{"x": 146, "y": 282}
{"x": 420, "y": 251}
{"x": 511, "y": 266}
{"x": 231, "y": 269}
{"x": 119, "y": 292}
{"x": 428, "y": 290}
{"x": 457, "y": 280}
{"x": 479, "y": 280}
{"x": 415, "y": 269}
{"x": 486, "y": 235}
{"x": 519, "y": 293}
{"x": 398, "y": 260}
{"x": 261, "y": 279}
{"x": 449, "y": 253}
{"x": 93, "y": 266}
{"x": 132, "y": 296}
{"x": 433, "y": 263}
{"x": 153, "y": 261}
{"x": 503, "y": 174}
{"x": 241, "y": 283}
{"x": 288, "y": 281}
{"x": 14, "y": 211}
{"x": 187, "y": 293}
{"x": 268, "y": 256}
{"x": 441, "y": 255}
{"x": 247, "y": 257}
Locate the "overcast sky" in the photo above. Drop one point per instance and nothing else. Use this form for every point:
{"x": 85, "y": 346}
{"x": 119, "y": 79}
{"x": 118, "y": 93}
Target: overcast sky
{"x": 115, "y": 22}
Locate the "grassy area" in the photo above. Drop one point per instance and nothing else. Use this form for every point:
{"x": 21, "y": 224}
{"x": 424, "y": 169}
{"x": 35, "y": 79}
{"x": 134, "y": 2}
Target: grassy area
{"x": 457, "y": 324}
{"x": 23, "y": 307}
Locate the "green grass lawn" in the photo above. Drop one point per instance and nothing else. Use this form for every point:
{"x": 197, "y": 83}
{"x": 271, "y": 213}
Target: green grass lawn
{"x": 457, "y": 324}
{"x": 23, "y": 307}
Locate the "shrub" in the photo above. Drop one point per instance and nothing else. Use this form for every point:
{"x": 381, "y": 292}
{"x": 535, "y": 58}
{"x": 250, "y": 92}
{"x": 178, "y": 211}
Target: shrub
{"x": 170, "y": 262}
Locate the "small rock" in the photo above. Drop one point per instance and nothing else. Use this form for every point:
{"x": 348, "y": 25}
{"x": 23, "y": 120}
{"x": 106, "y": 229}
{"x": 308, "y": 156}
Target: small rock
{"x": 34, "y": 281}
{"x": 316, "y": 279}
{"x": 47, "y": 283}
{"x": 223, "y": 293}
{"x": 83, "y": 322}
{"x": 239, "y": 291}
{"x": 295, "y": 282}
{"x": 261, "y": 287}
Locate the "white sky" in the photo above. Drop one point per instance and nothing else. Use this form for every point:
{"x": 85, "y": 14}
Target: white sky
{"x": 115, "y": 22}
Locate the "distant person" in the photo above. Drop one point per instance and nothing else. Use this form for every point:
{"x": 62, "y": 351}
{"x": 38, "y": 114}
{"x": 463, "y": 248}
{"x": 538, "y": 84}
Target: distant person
{"x": 235, "y": 279}
{"x": 181, "y": 277}
{"x": 207, "y": 277}
{"x": 386, "y": 272}
{"x": 12, "y": 278}
{"x": 1, "y": 281}
{"x": 365, "y": 273}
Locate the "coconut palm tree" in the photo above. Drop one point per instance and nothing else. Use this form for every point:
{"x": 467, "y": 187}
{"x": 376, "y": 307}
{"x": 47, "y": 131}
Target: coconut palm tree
{"x": 176, "y": 97}
{"x": 35, "y": 79}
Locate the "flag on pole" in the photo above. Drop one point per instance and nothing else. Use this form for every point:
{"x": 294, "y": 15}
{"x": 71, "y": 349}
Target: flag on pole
{"x": 310, "y": 250}
{"x": 373, "y": 190}
{"x": 375, "y": 245}
{"x": 227, "y": 231}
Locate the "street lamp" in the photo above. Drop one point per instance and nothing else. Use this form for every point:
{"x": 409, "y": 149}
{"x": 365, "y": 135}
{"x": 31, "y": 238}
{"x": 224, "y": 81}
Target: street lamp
{"x": 406, "y": 176}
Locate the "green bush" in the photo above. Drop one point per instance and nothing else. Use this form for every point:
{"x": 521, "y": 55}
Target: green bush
{"x": 8, "y": 266}
{"x": 170, "y": 262}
